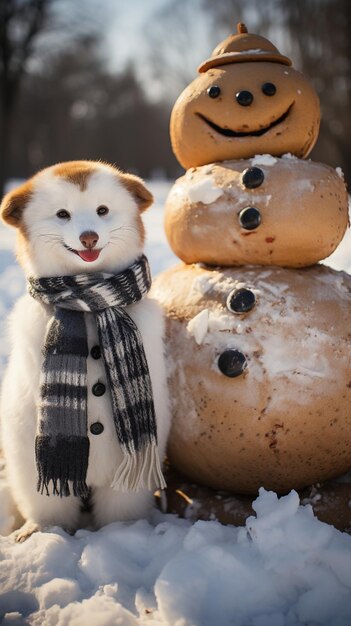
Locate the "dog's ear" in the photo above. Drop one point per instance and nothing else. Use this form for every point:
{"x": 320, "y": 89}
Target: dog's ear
{"x": 13, "y": 204}
{"x": 137, "y": 189}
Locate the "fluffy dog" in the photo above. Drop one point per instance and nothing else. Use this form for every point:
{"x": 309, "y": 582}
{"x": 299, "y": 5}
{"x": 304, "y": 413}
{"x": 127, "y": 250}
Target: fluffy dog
{"x": 78, "y": 219}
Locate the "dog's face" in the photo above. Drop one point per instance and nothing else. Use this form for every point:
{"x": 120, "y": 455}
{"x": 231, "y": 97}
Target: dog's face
{"x": 78, "y": 217}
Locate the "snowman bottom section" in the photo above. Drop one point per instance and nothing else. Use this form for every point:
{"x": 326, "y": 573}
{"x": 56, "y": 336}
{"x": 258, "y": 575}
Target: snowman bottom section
{"x": 259, "y": 374}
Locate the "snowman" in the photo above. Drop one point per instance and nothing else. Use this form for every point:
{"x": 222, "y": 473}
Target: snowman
{"x": 258, "y": 333}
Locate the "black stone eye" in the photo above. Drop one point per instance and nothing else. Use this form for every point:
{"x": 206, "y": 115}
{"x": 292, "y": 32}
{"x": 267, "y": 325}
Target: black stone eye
{"x": 213, "y": 91}
{"x": 252, "y": 177}
{"x": 232, "y": 363}
{"x": 250, "y": 218}
{"x": 244, "y": 98}
{"x": 102, "y": 210}
{"x": 241, "y": 300}
{"x": 63, "y": 214}
{"x": 269, "y": 89}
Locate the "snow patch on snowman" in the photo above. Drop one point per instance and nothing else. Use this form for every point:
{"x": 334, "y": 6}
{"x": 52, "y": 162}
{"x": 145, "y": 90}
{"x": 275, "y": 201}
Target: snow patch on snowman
{"x": 263, "y": 159}
{"x": 204, "y": 191}
{"x": 340, "y": 173}
{"x": 198, "y": 326}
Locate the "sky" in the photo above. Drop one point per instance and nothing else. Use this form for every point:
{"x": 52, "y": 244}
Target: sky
{"x": 128, "y": 20}
{"x": 134, "y": 28}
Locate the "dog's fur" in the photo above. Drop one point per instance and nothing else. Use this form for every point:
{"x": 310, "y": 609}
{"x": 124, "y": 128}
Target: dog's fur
{"x": 45, "y": 247}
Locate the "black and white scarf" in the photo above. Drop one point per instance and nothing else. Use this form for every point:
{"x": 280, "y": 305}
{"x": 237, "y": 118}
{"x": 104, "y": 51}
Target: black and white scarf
{"x": 62, "y": 444}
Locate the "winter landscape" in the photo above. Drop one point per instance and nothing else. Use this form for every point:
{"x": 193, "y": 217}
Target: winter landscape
{"x": 284, "y": 568}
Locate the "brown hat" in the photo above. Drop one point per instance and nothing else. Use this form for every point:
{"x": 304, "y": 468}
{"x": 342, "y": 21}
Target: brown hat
{"x": 243, "y": 47}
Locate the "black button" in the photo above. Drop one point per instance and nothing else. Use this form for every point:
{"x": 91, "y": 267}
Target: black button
{"x": 96, "y": 428}
{"x": 250, "y": 218}
{"x": 244, "y": 98}
{"x": 95, "y": 352}
{"x": 269, "y": 89}
{"x": 98, "y": 389}
{"x": 232, "y": 363}
{"x": 241, "y": 300}
{"x": 252, "y": 177}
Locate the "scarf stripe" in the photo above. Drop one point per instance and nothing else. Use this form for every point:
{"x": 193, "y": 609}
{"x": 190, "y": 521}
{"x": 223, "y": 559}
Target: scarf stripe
{"x": 62, "y": 444}
{"x": 141, "y": 393}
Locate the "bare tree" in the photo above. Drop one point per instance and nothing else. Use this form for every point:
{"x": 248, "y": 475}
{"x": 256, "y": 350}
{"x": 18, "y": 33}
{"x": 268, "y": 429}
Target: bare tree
{"x": 20, "y": 23}
{"x": 33, "y": 33}
{"x": 74, "y": 108}
{"x": 320, "y": 36}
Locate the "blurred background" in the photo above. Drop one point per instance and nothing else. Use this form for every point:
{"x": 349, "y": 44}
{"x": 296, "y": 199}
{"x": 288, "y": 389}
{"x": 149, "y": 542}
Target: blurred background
{"x": 97, "y": 79}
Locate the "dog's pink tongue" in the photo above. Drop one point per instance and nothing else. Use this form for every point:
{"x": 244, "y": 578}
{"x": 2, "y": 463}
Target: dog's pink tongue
{"x": 88, "y": 255}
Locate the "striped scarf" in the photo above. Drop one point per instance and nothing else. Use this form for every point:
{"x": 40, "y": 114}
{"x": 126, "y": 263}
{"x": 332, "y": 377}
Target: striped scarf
{"x": 62, "y": 444}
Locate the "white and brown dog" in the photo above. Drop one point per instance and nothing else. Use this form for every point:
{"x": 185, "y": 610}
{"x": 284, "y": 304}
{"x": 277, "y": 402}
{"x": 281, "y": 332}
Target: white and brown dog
{"x": 75, "y": 218}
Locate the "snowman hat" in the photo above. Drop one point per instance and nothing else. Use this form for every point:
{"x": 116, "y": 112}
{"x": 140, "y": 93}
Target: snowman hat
{"x": 242, "y": 47}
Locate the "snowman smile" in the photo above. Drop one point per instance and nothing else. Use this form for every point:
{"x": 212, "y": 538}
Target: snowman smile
{"x": 227, "y": 132}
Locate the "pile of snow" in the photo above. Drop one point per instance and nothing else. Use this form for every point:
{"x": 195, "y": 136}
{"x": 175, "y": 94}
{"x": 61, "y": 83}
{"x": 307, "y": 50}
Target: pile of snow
{"x": 285, "y": 568}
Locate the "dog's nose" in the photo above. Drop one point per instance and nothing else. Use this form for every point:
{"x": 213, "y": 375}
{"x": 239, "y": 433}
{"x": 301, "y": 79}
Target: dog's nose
{"x": 89, "y": 239}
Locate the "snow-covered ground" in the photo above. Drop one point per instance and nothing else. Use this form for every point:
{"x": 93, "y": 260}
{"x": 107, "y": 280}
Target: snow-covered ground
{"x": 284, "y": 568}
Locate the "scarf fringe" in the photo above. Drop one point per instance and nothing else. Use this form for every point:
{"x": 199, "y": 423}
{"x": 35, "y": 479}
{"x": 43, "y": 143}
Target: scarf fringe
{"x": 140, "y": 470}
{"x": 60, "y": 462}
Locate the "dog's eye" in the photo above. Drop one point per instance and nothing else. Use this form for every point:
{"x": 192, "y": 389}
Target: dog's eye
{"x": 102, "y": 210}
{"x": 63, "y": 214}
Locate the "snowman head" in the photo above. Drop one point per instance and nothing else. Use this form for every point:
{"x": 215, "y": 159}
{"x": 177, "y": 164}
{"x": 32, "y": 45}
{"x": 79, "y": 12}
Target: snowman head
{"x": 247, "y": 100}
